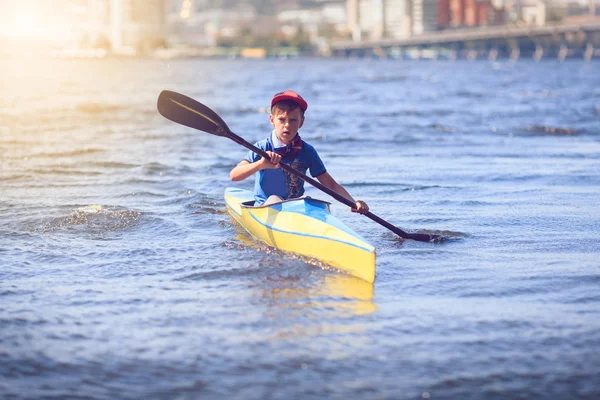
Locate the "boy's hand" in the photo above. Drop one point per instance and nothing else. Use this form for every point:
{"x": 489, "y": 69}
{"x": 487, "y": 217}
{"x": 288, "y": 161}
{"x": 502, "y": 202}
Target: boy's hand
{"x": 361, "y": 207}
{"x": 273, "y": 162}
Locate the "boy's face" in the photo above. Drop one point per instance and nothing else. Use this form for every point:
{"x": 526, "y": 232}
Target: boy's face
{"x": 286, "y": 124}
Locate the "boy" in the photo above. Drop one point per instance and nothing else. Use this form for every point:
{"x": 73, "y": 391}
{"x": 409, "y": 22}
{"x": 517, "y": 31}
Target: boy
{"x": 285, "y": 146}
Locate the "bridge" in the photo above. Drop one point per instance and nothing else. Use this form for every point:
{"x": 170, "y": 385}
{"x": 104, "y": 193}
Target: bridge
{"x": 553, "y": 40}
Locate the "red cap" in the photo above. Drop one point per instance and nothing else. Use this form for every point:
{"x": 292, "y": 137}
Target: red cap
{"x": 290, "y": 95}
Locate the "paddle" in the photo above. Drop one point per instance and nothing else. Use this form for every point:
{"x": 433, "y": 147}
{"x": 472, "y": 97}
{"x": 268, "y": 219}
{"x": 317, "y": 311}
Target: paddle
{"x": 186, "y": 111}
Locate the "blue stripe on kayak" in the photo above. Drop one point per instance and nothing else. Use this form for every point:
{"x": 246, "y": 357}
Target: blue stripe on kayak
{"x": 307, "y": 235}
{"x": 318, "y": 211}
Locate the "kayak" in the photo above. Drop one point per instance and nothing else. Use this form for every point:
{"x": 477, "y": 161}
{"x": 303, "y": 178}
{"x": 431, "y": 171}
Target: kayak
{"x": 306, "y": 227}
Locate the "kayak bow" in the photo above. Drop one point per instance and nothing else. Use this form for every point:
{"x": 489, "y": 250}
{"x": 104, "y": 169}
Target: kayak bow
{"x": 304, "y": 226}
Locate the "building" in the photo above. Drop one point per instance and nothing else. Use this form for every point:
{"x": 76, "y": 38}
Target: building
{"x": 533, "y": 13}
{"x": 137, "y": 26}
{"x": 424, "y": 16}
{"x": 397, "y": 19}
{"x": 468, "y": 13}
{"x": 353, "y": 17}
{"x": 371, "y": 18}
{"x": 97, "y": 30}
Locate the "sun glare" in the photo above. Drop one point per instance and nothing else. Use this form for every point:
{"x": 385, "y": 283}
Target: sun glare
{"x": 25, "y": 22}
{"x": 26, "y": 25}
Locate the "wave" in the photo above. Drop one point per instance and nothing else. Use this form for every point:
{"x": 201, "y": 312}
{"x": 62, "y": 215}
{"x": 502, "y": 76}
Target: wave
{"x": 386, "y": 78}
{"x": 221, "y": 274}
{"x": 140, "y": 181}
{"x": 98, "y": 108}
{"x": 416, "y": 113}
{"x": 156, "y": 168}
{"x": 73, "y": 153}
{"x": 23, "y": 114}
{"x": 19, "y": 176}
{"x": 142, "y": 194}
{"x": 442, "y": 128}
{"x": 111, "y": 164}
{"x": 543, "y": 129}
{"x": 348, "y": 139}
{"x": 207, "y": 206}
{"x": 250, "y": 110}
{"x": 63, "y": 171}
{"x": 405, "y": 186}
{"x": 471, "y": 95}
{"x": 401, "y": 113}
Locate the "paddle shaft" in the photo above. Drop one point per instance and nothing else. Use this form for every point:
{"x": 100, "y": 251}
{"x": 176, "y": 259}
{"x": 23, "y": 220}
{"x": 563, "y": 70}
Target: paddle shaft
{"x": 319, "y": 186}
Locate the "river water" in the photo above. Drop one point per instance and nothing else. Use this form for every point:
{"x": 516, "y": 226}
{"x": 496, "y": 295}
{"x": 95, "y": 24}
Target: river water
{"x": 122, "y": 276}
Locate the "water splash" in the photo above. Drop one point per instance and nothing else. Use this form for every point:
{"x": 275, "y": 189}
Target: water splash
{"x": 95, "y": 219}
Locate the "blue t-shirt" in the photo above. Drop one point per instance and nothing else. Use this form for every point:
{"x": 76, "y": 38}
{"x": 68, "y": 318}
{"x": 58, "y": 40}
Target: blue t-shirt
{"x": 279, "y": 182}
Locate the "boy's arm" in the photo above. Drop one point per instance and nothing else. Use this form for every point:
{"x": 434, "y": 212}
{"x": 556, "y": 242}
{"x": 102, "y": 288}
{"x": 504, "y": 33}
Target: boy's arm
{"x": 245, "y": 168}
{"x": 327, "y": 180}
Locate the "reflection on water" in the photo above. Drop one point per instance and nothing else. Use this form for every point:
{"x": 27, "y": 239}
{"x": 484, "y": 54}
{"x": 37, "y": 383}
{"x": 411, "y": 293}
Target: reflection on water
{"x": 327, "y": 306}
{"x": 356, "y": 295}
{"x": 301, "y": 305}
{"x": 342, "y": 294}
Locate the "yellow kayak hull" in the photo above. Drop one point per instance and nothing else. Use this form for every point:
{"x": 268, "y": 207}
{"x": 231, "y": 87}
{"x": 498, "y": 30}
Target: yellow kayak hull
{"x": 306, "y": 227}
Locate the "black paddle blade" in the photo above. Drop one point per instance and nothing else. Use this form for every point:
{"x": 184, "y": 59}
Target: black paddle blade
{"x": 187, "y": 111}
